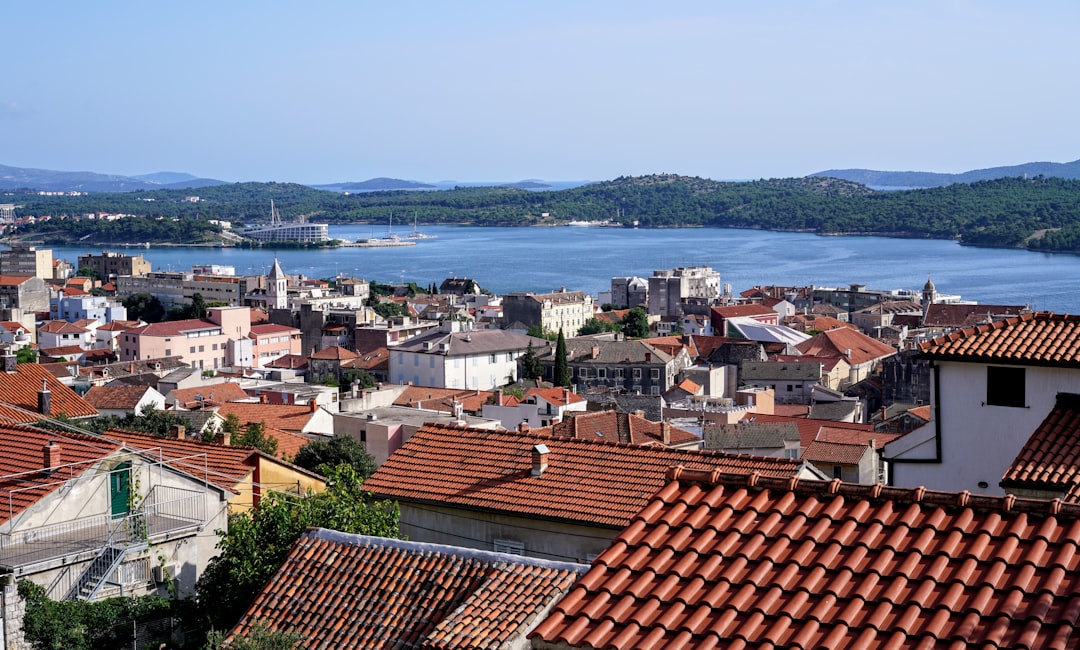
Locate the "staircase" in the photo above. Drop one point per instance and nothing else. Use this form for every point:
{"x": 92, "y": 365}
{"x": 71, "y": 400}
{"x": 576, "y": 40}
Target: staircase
{"x": 123, "y": 539}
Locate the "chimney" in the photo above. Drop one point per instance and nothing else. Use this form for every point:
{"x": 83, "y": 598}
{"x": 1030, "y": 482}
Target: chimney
{"x": 44, "y": 398}
{"x": 665, "y": 432}
{"x": 884, "y": 413}
{"x": 312, "y": 405}
{"x": 566, "y": 395}
{"x": 131, "y": 368}
{"x": 648, "y": 357}
{"x": 263, "y": 399}
{"x": 177, "y": 431}
{"x": 50, "y": 455}
{"x": 498, "y": 397}
{"x": 523, "y": 427}
{"x": 224, "y": 437}
{"x": 10, "y": 364}
{"x": 595, "y": 351}
{"x": 539, "y": 459}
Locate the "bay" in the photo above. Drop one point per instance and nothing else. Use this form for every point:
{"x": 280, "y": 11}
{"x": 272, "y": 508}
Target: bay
{"x": 586, "y": 258}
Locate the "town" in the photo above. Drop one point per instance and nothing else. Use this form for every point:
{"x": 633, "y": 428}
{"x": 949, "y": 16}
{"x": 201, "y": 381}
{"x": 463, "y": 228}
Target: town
{"x": 674, "y": 462}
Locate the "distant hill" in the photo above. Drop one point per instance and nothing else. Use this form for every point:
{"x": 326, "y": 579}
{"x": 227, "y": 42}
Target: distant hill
{"x": 383, "y": 183}
{"x": 46, "y": 180}
{"x": 912, "y": 180}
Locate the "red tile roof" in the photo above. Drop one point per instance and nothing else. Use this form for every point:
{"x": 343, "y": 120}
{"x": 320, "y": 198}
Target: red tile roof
{"x": 556, "y": 396}
{"x": 213, "y": 394}
{"x": 739, "y": 311}
{"x": 282, "y": 421}
{"x": 21, "y": 484}
{"x": 953, "y": 315}
{"x": 224, "y": 466}
{"x": 20, "y": 389}
{"x": 1031, "y": 339}
{"x": 289, "y": 361}
{"x": 352, "y": 591}
{"x": 175, "y": 327}
{"x": 591, "y": 482}
{"x": 834, "y": 452}
{"x": 61, "y": 327}
{"x": 442, "y": 399}
{"x": 115, "y": 397}
{"x": 335, "y": 352}
{"x": 616, "y": 426}
{"x": 810, "y": 428}
{"x": 837, "y": 342}
{"x": 272, "y": 328}
{"x": 1050, "y": 459}
{"x": 738, "y": 561}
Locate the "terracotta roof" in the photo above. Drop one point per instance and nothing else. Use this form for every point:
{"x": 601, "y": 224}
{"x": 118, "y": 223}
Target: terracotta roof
{"x": 617, "y": 426}
{"x": 849, "y": 436}
{"x": 115, "y": 397}
{"x": 289, "y": 361}
{"x": 13, "y": 280}
{"x": 352, "y": 591}
{"x": 213, "y": 394}
{"x": 288, "y": 443}
{"x": 591, "y": 482}
{"x": 119, "y": 326}
{"x": 20, "y": 389}
{"x": 21, "y": 484}
{"x": 736, "y": 561}
{"x": 834, "y": 452}
{"x": 837, "y": 342}
{"x": 334, "y": 352}
{"x": 736, "y": 311}
{"x": 376, "y": 359}
{"x": 272, "y": 328}
{"x": 12, "y": 326}
{"x": 62, "y": 351}
{"x": 61, "y": 327}
{"x": 286, "y": 417}
{"x": 224, "y": 466}
{"x": 1050, "y": 459}
{"x": 809, "y": 428}
{"x": 953, "y": 315}
{"x": 1031, "y": 339}
{"x": 442, "y": 399}
{"x": 556, "y": 396}
{"x": 175, "y": 327}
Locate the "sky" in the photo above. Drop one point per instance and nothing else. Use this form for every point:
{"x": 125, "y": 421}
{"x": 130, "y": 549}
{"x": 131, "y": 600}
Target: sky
{"x": 346, "y": 90}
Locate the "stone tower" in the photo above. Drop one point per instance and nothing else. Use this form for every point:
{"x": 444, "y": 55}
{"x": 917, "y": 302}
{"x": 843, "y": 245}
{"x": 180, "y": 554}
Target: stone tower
{"x": 277, "y": 289}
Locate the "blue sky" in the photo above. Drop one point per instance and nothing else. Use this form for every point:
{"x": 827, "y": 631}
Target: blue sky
{"x": 499, "y": 91}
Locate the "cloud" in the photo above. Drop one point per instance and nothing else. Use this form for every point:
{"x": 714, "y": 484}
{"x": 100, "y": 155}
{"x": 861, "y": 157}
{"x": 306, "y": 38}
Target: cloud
{"x": 12, "y": 110}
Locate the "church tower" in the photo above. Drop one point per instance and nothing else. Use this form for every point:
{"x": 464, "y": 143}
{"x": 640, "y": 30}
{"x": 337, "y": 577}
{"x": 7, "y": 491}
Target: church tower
{"x": 277, "y": 289}
{"x": 929, "y": 293}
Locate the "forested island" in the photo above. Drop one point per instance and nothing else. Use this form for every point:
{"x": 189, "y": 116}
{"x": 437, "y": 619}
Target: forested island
{"x": 1034, "y": 213}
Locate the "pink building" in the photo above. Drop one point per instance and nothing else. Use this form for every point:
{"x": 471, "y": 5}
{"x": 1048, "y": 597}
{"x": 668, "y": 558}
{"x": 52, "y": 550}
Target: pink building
{"x": 224, "y": 338}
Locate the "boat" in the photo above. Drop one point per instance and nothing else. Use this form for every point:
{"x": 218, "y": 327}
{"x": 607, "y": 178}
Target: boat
{"x": 416, "y": 234}
{"x": 390, "y": 236}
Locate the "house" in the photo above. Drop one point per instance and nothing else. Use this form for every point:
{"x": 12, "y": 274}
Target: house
{"x": 630, "y": 366}
{"x": 696, "y": 325}
{"x": 292, "y": 426}
{"x": 559, "y": 310}
{"x": 111, "y": 264}
{"x": 538, "y": 407}
{"x": 460, "y": 287}
{"x": 64, "y": 305}
{"x": 385, "y": 429}
{"x": 59, "y": 333}
{"x": 719, "y": 317}
{"x": 107, "y": 335}
{"x": 330, "y": 363}
{"x": 541, "y": 496}
{"x": 270, "y": 341}
{"x": 670, "y": 289}
{"x": 620, "y": 426}
{"x": 947, "y": 317}
{"x": 406, "y": 594}
{"x": 992, "y": 386}
{"x": 792, "y": 382}
{"x": 247, "y": 473}
{"x": 482, "y": 359}
{"x": 29, "y": 392}
{"x": 88, "y": 518}
{"x": 124, "y": 400}
{"x": 723, "y": 560}
{"x": 209, "y": 395}
{"x": 861, "y": 353}
{"x": 204, "y": 343}
{"x": 27, "y": 293}
{"x": 14, "y": 335}
{"x": 883, "y": 313}
{"x": 775, "y": 440}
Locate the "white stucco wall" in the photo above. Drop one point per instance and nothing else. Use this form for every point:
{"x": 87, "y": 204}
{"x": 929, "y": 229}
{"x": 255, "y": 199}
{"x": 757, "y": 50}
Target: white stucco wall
{"x": 978, "y": 442}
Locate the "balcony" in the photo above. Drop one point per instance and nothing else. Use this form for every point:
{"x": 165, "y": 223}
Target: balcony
{"x": 166, "y": 511}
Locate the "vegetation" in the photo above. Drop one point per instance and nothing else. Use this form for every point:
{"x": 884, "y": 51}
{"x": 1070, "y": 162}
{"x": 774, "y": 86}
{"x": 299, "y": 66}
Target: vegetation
{"x": 260, "y": 637}
{"x": 149, "y": 420}
{"x": 1038, "y": 213}
{"x": 81, "y": 625}
{"x": 258, "y": 541}
{"x": 26, "y": 355}
{"x": 635, "y": 325}
{"x": 598, "y": 326}
{"x": 561, "y": 373}
{"x": 144, "y": 307}
{"x": 252, "y": 435}
{"x": 531, "y": 368}
{"x": 323, "y": 455}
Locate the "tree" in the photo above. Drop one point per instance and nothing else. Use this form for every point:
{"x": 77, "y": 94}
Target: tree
{"x": 254, "y": 435}
{"x": 362, "y": 377}
{"x": 531, "y": 368}
{"x": 320, "y": 455}
{"x": 26, "y": 355}
{"x": 597, "y": 326}
{"x": 261, "y": 637}
{"x": 635, "y": 325}
{"x": 538, "y": 332}
{"x": 390, "y": 309}
{"x": 258, "y": 540}
{"x": 561, "y": 375}
{"x": 143, "y": 306}
{"x": 86, "y": 272}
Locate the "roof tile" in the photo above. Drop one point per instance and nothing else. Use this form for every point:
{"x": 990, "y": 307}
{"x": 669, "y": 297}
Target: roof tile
{"x": 1035, "y": 339}
{"x": 807, "y": 564}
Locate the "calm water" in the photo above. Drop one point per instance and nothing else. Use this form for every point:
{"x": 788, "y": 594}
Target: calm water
{"x": 541, "y": 259}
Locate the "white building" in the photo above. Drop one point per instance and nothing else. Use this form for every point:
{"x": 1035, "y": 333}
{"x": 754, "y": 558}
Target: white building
{"x": 479, "y": 360}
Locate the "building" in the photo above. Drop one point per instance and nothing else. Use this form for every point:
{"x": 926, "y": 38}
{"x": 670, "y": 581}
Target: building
{"x": 991, "y": 387}
{"x": 792, "y": 382}
{"x": 23, "y": 292}
{"x": 627, "y": 366}
{"x": 64, "y": 305}
{"x": 59, "y": 333}
{"x": 414, "y": 595}
{"x": 539, "y": 407}
{"x": 669, "y": 289}
{"x": 175, "y": 288}
{"x": 559, "y": 310}
{"x": 111, "y": 265}
{"x": 556, "y": 498}
{"x": 725, "y": 560}
{"x": 629, "y": 292}
{"x": 861, "y": 353}
{"x": 27, "y": 260}
{"x": 481, "y": 359}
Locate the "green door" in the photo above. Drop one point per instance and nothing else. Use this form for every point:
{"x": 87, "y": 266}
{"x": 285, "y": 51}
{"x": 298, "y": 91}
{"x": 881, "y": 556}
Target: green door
{"x": 120, "y": 490}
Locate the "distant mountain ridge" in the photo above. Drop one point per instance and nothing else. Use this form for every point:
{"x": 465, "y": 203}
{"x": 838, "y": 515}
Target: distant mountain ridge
{"x": 46, "y": 180}
{"x": 905, "y": 180}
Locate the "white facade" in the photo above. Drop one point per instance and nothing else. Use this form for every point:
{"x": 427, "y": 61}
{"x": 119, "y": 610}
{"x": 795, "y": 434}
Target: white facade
{"x": 73, "y": 308}
{"x": 977, "y": 441}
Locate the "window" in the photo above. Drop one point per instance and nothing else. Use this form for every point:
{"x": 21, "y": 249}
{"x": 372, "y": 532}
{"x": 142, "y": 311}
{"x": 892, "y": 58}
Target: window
{"x": 1005, "y": 386}
{"x": 654, "y": 373}
{"x": 619, "y": 373}
{"x": 637, "y": 373}
{"x": 213, "y": 347}
{"x": 202, "y": 348}
{"x": 790, "y": 388}
{"x": 509, "y": 546}
{"x": 192, "y": 350}
{"x": 601, "y": 373}
{"x": 583, "y": 373}
{"x": 491, "y": 358}
{"x": 168, "y": 352}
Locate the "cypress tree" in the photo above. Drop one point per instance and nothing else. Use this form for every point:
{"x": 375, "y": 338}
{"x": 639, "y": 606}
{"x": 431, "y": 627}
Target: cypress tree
{"x": 562, "y": 368}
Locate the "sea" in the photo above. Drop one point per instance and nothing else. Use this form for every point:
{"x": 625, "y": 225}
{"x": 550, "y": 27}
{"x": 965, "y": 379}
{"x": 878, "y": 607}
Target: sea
{"x": 542, "y": 259}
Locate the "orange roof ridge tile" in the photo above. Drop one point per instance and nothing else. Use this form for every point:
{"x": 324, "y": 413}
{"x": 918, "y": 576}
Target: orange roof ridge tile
{"x": 1006, "y": 503}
